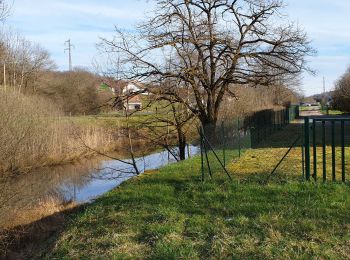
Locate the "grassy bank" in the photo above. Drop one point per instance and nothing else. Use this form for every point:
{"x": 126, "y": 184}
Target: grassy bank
{"x": 332, "y": 112}
{"x": 170, "y": 214}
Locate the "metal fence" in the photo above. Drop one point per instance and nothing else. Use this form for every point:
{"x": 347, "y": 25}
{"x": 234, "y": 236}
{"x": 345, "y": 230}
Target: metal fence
{"x": 225, "y": 142}
{"x": 326, "y": 142}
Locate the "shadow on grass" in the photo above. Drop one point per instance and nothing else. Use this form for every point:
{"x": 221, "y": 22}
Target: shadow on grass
{"x": 32, "y": 240}
{"x": 285, "y": 137}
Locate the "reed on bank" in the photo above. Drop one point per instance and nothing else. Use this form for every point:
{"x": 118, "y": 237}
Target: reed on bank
{"x": 34, "y": 133}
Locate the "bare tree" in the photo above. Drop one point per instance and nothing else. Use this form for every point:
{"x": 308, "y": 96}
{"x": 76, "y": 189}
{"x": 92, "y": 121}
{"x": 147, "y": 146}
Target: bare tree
{"x": 341, "y": 93}
{"x": 170, "y": 127}
{"x": 215, "y": 43}
{"x": 24, "y": 62}
{"x": 4, "y": 10}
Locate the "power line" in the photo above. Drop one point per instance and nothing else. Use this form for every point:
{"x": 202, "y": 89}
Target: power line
{"x": 69, "y": 49}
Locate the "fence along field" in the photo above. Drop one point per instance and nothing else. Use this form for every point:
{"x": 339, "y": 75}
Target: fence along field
{"x": 326, "y": 141}
{"x": 316, "y": 148}
{"x": 234, "y": 137}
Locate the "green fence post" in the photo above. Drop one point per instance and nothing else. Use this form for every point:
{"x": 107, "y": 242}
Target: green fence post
{"x": 307, "y": 147}
{"x": 239, "y": 137}
{"x": 314, "y": 148}
{"x": 202, "y": 156}
{"x": 258, "y": 127}
{"x": 280, "y": 119}
{"x": 206, "y": 152}
{"x": 264, "y": 122}
{"x": 343, "y": 151}
{"x": 223, "y": 142}
{"x": 303, "y": 160}
{"x": 324, "y": 152}
{"x": 297, "y": 114}
{"x": 270, "y": 122}
{"x": 333, "y": 151}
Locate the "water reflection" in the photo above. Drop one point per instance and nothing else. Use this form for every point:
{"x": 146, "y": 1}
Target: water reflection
{"x": 20, "y": 196}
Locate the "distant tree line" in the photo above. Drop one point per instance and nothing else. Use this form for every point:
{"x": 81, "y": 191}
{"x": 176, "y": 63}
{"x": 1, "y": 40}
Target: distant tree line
{"x": 27, "y": 68}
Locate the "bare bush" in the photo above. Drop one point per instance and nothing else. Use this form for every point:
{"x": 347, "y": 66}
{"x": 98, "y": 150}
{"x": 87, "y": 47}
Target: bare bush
{"x": 246, "y": 100}
{"x": 33, "y": 133}
{"x": 76, "y": 92}
{"x": 341, "y": 94}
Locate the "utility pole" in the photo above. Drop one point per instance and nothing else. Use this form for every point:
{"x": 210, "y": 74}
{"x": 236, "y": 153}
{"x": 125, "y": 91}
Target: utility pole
{"x": 324, "y": 86}
{"x": 69, "y": 49}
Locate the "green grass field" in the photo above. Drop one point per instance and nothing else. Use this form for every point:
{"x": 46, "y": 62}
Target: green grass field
{"x": 171, "y": 214}
{"x": 332, "y": 112}
{"x": 113, "y": 120}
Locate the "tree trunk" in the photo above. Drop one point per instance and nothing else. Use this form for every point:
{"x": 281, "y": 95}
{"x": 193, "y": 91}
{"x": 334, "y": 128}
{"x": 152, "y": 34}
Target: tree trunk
{"x": 209, "y": 128}
{"x": 181, "y": 144}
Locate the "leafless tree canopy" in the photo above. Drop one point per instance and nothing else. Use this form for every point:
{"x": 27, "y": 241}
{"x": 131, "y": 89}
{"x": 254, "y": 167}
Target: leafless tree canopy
{"x": 211, "y": 44}
{"x": 4, "y": 10}
{"x": 22, "y": 62}
{"x": 341, "y": 94}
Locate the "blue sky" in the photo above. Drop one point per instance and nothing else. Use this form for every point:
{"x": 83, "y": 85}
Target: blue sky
{"x": 52, "y": 22}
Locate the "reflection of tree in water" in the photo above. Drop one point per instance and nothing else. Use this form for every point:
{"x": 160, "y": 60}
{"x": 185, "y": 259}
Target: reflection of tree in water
{"x": 58, "y": 186}
{"x": 25, "y": 192}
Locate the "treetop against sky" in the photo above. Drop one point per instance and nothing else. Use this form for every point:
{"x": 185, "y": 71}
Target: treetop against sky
{"x": 50, "y": 23}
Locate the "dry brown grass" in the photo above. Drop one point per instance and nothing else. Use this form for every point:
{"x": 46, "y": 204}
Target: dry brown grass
{"x": 44, "y": 208}
{"x": 33, "y": 134}
{"x": 37, "y": 226}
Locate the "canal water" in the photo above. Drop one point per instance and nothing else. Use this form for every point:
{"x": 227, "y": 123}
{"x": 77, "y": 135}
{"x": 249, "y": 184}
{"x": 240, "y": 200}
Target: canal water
{"x": 75, "y": 183}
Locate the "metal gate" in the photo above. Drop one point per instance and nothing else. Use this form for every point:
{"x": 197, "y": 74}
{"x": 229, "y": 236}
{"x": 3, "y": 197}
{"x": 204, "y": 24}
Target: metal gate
{"x": 326, "y": 142}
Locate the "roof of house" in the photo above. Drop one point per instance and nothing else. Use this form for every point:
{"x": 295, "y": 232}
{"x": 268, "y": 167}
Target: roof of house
{"x": 135, "y": 99}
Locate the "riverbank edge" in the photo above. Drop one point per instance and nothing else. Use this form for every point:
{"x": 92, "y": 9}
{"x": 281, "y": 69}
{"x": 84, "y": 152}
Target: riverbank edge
{"x": 21, "y": 237}
{"x": 87, "y": 232}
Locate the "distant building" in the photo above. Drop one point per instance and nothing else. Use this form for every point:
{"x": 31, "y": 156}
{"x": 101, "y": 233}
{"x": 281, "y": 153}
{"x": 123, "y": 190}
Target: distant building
{"x": 129, "y": 92}
{"x": 134, "y": 103}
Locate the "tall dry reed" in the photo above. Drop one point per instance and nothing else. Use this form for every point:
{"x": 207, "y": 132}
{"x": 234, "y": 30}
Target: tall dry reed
{"x": 33, "y": 133}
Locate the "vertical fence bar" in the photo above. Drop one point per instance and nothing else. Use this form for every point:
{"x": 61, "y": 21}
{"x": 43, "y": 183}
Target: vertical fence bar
{"x": 258, "y": 128}
{"x": 239, "y": 137}
{"x": 297, "y": 111}
{"x": 307, "y": 147}
{"x": 333, "y": 151}
{"x": 314, "y": 148}
{"x": 202, "y": 156}
{"x": 303, "y": 160}
{"x": 324, "y": 152}
{"x": 281, "y": 119}
{"x": 223, "y": 143}
{"x": 285, "y": 116}
{"x": 206, "y": 153}
{"x": 270, "y": 122}
{"x": 343, "y": 151}
{"x": 265, "y": 124}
